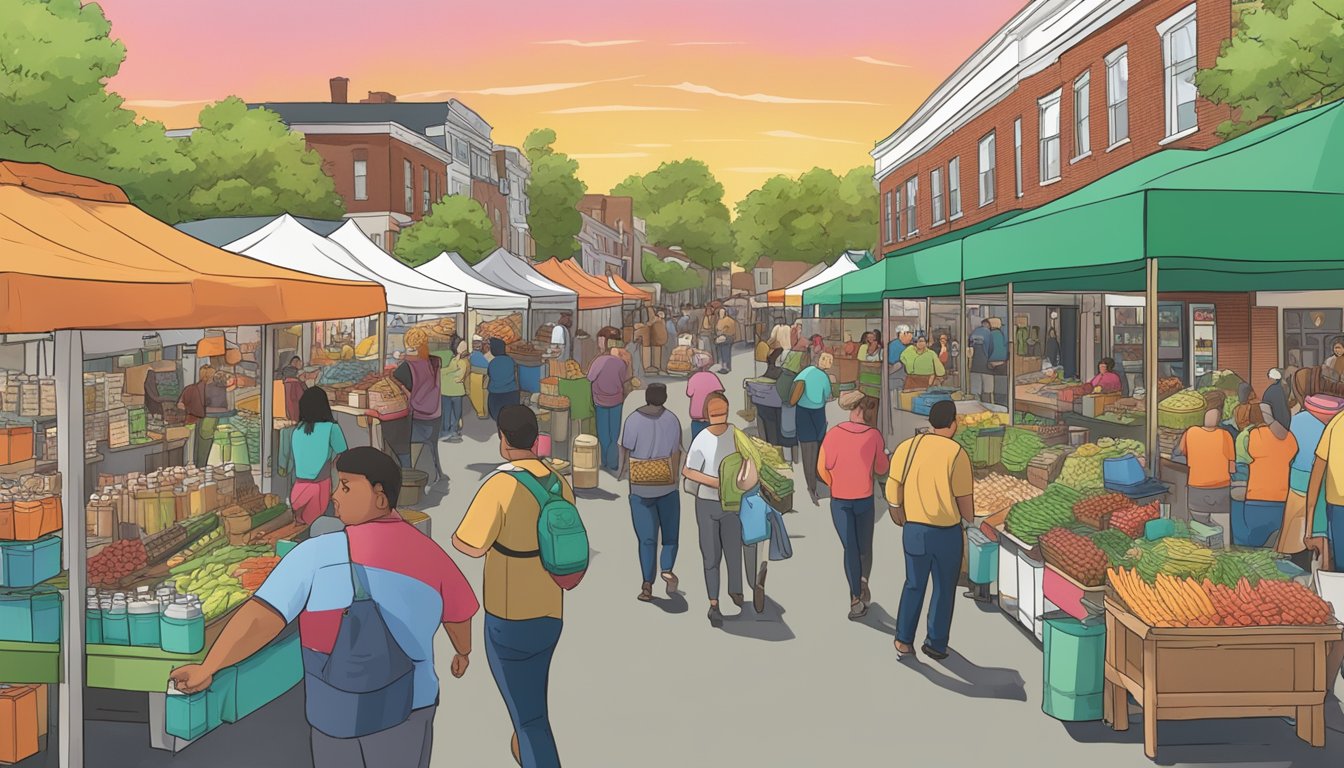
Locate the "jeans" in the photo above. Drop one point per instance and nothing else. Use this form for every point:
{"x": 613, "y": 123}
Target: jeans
{"x": 725, "y": 355}
{"x": 608, "y": 433}
{"x": 407, "y": 745}
{"x": 1334, "y": 520}
{"x": 652, "y": 517}
{"x": 452, "y": 415}
{"x": 697, "y": 426}
{"x": 720, "y": 542}
{"x": 1253, "y": 522}
{"x": 936, "y": 552}
{"x": 854, "y": 520}
{"x": 520, "y": 654}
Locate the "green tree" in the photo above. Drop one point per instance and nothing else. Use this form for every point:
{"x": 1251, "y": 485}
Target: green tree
{"x": 811, "y": 218}
{"x": 682, "y": 204}
{"x": 55, "y": 60}
{"x": 672, "y": 276}
{"x": 456, "y": 223}
{"x": 553, "y": 194}
{"x": 1284, "y": 57}
{"x": 248, "y": 163}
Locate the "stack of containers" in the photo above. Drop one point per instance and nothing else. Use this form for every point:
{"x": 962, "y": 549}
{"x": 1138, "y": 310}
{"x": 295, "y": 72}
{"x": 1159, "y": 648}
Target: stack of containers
{"x": 149, "y": 618}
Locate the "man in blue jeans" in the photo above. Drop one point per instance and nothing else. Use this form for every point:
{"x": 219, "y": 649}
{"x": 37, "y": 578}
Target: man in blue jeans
{"x": 929, "y": 493}
{"x": 651, "y": 457}
{"x": 523, "y": 604}
{"x": 609, "y": 376}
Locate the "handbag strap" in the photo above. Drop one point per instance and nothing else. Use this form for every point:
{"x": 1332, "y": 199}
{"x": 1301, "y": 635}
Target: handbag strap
{"x": 357, "y": 579}
{"x": 905, "y": 473}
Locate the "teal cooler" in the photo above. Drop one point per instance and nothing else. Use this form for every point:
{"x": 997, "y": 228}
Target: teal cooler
{"x": 266, "y": 675}
{"x": 28, "y": 563}
{"x": 185, "y": 715}
{"x": 30, "y": 615}
{"x": 982, "y": 558}
{"x": 1073, "y": 666}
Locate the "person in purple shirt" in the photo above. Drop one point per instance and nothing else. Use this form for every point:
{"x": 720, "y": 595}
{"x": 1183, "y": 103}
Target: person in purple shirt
{"x": 651, "y": 447}
{"x": 609, "y": 375}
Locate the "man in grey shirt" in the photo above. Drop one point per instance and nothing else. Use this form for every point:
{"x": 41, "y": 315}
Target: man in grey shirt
{"x": 651, "y": 458}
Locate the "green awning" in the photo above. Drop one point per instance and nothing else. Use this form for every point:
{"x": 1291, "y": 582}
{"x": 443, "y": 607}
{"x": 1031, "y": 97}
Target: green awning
{"x": 1259, "y": 212}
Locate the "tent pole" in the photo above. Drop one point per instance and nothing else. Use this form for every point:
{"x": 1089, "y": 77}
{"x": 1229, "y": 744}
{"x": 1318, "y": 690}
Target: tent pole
{"x": 266, "y": 356}
{"x": 1009, "y": 334}
{"x": 887, "y": 425}
{"x": 70, "y": 450}
{"x": 1150, "y": 364}
{"x": 963, "y": 371}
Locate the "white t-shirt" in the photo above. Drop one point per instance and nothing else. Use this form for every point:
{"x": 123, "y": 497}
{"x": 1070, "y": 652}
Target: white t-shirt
{"x": 708, "y": 450}
{"x": 560, "y": 338}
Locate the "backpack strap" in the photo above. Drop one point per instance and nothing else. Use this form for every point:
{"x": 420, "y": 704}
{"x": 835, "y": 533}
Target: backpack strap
{"x": 905, "y": 474}
{"x": 542, "y": 495}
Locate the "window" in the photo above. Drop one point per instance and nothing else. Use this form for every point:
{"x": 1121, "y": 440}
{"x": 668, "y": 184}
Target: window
{"x": 480, "y": 165}
{"x": 1017, "y": 156}
{"x": 1117, "y": 95}
{"x": 462, "y": 150}
{"x": 361, "y": 179}
{"x": 936, "y": 191}
{"x": 1082, "y": 140}
{"x": 911, "y": 193}
{"x": 1049, "y": 113}
{"x": 424, "y": 193}
{"x": 378, "y": 239}
{"x": 987, "y": 169}
{"x": 1178, "y": 50}
{"x": 459, "y": 188}
{"x": 410, "y": 185}
{"x": 899, "y": 214}
{"x": 954, "y": 187}
{"x": 888, "y": 235}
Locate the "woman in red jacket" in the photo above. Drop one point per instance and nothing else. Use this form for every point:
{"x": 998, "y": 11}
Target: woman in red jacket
{"x": 852, "y": 456}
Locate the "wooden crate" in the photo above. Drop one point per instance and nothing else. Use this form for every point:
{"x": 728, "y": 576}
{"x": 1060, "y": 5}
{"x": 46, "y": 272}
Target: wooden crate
{"x": 1178, "y": 673}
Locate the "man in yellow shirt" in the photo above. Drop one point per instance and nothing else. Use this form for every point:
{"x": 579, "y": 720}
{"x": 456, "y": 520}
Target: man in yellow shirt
{"x": 523, "y": 603}
{"x": 929, "y": 493}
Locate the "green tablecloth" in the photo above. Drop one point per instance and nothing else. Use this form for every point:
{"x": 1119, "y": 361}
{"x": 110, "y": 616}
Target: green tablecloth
{"x": 580, "y": 394}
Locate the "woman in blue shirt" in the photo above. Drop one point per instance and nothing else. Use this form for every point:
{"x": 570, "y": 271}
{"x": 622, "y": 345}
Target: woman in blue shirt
{"x": 314, "y": 444}
{"x": 811, "y": 392}
{"x": 501, "y": 376}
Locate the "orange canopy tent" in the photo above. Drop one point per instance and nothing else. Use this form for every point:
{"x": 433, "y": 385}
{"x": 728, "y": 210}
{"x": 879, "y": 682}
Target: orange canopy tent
{"x": 75, "y": 254}
{"x": 593, "y": 292}
{"x": 639, "y": 294}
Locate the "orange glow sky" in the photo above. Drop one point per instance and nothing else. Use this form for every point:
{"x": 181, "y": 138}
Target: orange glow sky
{"x": 752, "y": 87}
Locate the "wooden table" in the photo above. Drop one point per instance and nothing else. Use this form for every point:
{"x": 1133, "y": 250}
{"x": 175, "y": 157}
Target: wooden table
{"x": 1178, "y": 673}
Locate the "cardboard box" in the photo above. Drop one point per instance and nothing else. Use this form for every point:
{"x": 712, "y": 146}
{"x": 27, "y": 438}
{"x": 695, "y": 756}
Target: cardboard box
{"x": 18, "y": 723}
{"x": 1096, "y": 405}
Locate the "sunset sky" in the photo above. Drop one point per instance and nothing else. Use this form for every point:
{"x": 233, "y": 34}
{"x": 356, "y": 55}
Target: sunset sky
{"x": 752, "y": 87}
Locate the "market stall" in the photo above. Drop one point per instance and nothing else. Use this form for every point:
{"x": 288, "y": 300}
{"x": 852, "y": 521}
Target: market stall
{"x": 83, "y": 258}
{"x": 548, "y": 299}
{"x": 485, "y": 301}
{"x": 599, "y": 305}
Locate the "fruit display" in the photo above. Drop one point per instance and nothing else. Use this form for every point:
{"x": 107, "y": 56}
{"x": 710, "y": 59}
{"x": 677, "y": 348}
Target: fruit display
{"x": 1027, "y": 520}
{"x": 345, "y": 372}
{"x": 1132, "y": 519}
{"x": 1096, "y": 510}
{"x": 506, "y": 329}
{"x": 1168, "y": 386}
{"x": 1083, "y": 469}
{"x": 117, "y": 561}
{"x": 1076, "y": 556}
{"x": 211, "y": 578}
{"x": 1182, "y": 410}
{"x": 966, "y": 438}
{"x": 169, "y": 541}
{"x": 1254, "y": 565}
{"x": 1020, "y": 446}
{"x": 212, "y": 540}
{"x": 1184, "y": 602}
{"x": 1115, "y": 545}
{"x": 982, "y": 419}
{"x": 996, "y": 492}
{"x": 254, "y": 570}
{"x": 1174, "y": 557}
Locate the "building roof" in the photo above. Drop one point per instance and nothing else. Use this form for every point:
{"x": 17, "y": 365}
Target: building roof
{"x": 414, "y": 115}
{"x": 221, "y": 231}
{"x": 742, "y": 281}
{"x": 608, "y": 208}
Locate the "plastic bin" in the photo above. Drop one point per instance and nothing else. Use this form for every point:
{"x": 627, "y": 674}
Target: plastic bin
{"x": 1073, "y": 669}
{"x": 28, "y": 563}
{"x": 186, "y": 715}
{"x": 30, "y": 615}
{"x": 266, "y": 675}
{"x": 982, "y": 558}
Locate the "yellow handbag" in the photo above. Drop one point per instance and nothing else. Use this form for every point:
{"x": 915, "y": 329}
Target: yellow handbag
{"x": 651, "y": 471}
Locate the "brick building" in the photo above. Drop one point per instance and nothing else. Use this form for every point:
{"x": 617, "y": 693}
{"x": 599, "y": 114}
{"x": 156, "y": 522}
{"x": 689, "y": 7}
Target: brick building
{"x": 1065, "y": 93}
{"x": 617, "y": 213}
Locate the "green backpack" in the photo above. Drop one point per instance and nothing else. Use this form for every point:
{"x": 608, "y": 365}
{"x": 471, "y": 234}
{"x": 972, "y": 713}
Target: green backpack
{"x": 562, "y": 541}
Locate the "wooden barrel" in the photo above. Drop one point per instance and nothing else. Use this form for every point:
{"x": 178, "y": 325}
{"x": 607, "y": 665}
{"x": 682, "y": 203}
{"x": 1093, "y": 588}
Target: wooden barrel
{"x": 586, "y": 461}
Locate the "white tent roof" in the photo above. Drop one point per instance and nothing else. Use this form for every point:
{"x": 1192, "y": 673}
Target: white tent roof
{"x": 793, "y": 295}
{"x": 397, "y": 276}
{"x": 507, "y": 271}
{"x": 450, "y": 269}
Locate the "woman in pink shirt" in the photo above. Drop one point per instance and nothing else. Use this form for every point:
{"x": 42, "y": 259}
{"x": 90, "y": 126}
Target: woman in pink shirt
{"x": 701, "y": 384}
{"x": 852, "y": 455}
{"x": 1106, "y": 380}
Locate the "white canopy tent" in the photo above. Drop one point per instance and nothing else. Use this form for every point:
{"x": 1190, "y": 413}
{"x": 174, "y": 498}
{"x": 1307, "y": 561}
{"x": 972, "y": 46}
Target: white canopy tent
{"x": 504, "y": 270}
{"x": 451, "y": 269}
{"x": 395, "y": 275}
{"x": 793, "y": 294}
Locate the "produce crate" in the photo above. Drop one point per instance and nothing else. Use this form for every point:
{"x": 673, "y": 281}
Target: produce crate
{"x": 1178, "y": 673}
{"x": 23, "y": 663}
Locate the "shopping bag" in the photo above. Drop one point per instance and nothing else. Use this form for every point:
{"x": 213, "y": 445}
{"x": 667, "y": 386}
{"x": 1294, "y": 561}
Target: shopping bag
{"x": 755, "y": 516}
{"x": 1330, "y": 586}
{"x": 780, "y": 546}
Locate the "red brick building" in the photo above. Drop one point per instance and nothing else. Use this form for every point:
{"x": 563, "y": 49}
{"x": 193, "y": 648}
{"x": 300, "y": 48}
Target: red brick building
{"x": 619, "y": 214}
{"x": 1065, "y": 93}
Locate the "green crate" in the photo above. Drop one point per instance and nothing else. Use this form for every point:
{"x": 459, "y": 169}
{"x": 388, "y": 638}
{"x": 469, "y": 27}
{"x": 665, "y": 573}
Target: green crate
{"x": 133, "y": 668}
{"x": 30, "y": 663}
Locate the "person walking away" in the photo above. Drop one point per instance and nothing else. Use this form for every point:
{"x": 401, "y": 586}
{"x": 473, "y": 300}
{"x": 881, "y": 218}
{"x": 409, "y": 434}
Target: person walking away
{"x": 770, "y": 414}
{"x": 501, "y": 380}
{"x": 193, "y": 400}
{"x": 790, "y": 365}
{"x": 453, "y": 374}
{"x": 739, "y": 476}
{"x": 1302, "y": 520}
{"x": 708, "y": 315}
{"x": 313, "y": 445}
{"x": 923, "y": 369}
{"x": 700, "y": 386}
{"x": 480, "y": 362}
{"x": 720, "y": 531}
{"x": 1211, "y": 455}
{"x": 726, "y": 330}
{"x": 562, "y": 338}
{"x": 1271, "y": 448}
{"x": 419, "y": 374}
{"x": 670, "y": 337}
{"x": 658, "y": 333}
{"x": 1276, "y": 397}
{"x": 981, "y": 346}
{"x": 651, "y": 459}
{"x": 609, "y": 375}
{"x": 852, "y": 456}
{"x": 353, "y": 590}
{"x": 811, "y": 392}
{"x": 524, "y": 606}
{"x": 930, "y": 496}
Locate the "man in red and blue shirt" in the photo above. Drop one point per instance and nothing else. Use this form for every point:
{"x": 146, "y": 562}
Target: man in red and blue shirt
{"x": 414, "y": 583}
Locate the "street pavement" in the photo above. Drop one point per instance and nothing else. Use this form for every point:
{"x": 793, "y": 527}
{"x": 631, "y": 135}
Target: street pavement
{"x": 651, "y": 685}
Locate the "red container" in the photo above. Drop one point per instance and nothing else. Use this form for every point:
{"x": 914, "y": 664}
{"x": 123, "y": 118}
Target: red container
{"x": 1067, "y": 594}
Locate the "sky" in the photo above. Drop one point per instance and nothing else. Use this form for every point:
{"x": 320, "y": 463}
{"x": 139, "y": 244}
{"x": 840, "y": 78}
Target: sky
{"x": 754, "y": 88}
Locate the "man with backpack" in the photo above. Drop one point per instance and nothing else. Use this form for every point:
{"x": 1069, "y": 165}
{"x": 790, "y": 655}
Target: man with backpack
{"x": 379, "y": 589}
{"x": 524, "y": 523}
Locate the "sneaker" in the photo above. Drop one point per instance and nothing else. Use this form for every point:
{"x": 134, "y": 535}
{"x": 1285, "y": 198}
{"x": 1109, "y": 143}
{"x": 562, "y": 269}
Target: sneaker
{"x": 933, "y": 654}
{"x": 455, "y": 439}
{"x": 737, "y": 598}
{"x": 857, "y": 610}
{"x": 715, "y": 616}
{"x": 646, "y": 592}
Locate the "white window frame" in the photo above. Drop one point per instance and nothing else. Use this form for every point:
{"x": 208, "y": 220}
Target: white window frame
{"x": 1117, "y": 124}
{"x": 900, "y": 212}
{"x": 936, "y": 195}
{"x": 408, "y": 171}
{"x": 1017, "y": 156}
{"x": 912, "y": 206}
{"x": 954, "y": 189}
{"x": 361, "y": 179}
{"x": 1045, "y": 140}
{"x": 888, "y": 234}
{"x": 1082, "y": 116}
{"x": 424, "y": 193}
{"x": 987, "y": 191}
{"x": 1170, "y": 74}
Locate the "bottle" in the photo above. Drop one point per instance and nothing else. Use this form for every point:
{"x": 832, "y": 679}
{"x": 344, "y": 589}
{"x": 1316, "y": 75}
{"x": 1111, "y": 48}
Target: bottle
{"x": 182, "y": 627}
{"x": 143, "y": 619}
{"x": 116, "y": 627}
{"x": 93, "y": 619}
{"x": 165, "y": 595}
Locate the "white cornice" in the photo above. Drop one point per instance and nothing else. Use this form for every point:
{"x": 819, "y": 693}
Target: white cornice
{"x": 397, "y": 131}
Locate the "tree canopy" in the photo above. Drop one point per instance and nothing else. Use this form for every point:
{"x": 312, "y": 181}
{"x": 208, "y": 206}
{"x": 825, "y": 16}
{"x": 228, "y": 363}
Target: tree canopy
{"x": 456, "y": 223}
{"x": 1284, "y": 57}
{"x": 672, "y": 276}
{"x": 553, "y": 193}
{"x": 810, "y": 218}
{"x": 681, "y": 203}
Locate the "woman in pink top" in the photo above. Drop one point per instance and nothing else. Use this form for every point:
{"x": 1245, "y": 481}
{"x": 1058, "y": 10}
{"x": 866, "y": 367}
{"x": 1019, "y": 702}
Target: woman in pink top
{"x": 1106, "y": 380}
{"x": 852, "y": 455}
{"x": 701, "y": 384}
